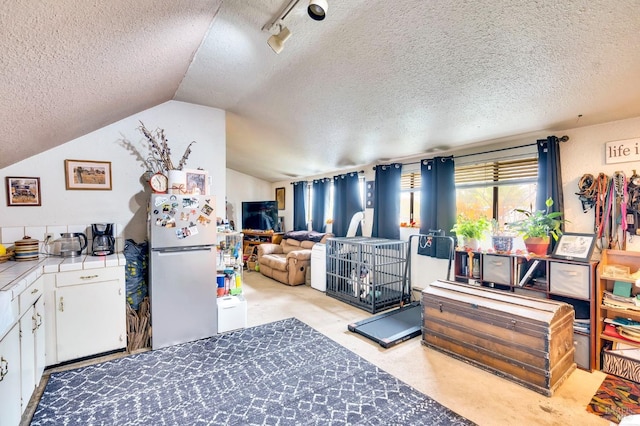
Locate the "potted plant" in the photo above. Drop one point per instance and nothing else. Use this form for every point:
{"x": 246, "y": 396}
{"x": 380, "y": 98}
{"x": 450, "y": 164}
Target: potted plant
{"x": 472, "y": 230}
{"x": 537, "y": 226}
{"x": 501, "y": 240}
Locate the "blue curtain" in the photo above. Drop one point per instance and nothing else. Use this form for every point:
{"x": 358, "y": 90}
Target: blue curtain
{"x": 300, "y": 206}
{"x": 549, "y": 174}
{"x": 549, "y": 177}
{"x": 346, "y": 202}
{"x": 437, "y": 195}
{"x": 386, "y": 210}
{"x": 321, "y": 192}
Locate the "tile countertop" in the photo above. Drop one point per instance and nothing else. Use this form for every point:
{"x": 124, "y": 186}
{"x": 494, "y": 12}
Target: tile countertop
{"x": 15, "y": 277}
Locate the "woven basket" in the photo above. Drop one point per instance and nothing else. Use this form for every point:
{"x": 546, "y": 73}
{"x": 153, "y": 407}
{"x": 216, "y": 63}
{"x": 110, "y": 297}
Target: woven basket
{"x": 7, "y": 256}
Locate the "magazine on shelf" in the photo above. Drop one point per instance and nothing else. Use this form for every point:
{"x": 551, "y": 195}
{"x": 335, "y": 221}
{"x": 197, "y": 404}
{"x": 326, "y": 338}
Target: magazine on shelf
{"x": 529, "y": 272}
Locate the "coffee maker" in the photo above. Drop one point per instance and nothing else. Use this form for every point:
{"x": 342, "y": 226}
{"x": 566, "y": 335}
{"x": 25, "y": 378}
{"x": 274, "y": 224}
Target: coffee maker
{"x": 103, "y": 240}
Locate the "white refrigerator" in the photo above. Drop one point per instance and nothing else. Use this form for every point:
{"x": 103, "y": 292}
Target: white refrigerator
{"x": 182, "y": 280}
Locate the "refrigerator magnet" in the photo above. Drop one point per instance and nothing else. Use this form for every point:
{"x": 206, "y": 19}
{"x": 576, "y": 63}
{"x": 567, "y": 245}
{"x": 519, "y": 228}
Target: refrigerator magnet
{"x": 203, "y": 220}
{"x": 160, "y": 201}
{"x": 193, "y": 229}
{"x": 207, "y": 209}
{"x": 190, "y": 202}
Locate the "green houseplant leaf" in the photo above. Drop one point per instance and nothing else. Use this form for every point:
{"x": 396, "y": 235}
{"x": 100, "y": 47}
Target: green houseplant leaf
{"x": 471, "y": 228}
{"x": 538, "y": 223}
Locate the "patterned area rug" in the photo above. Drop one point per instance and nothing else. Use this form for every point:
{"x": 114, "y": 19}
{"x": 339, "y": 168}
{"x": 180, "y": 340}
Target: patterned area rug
{"x": 616, "y": 398}
{"x": 282, "y": 373}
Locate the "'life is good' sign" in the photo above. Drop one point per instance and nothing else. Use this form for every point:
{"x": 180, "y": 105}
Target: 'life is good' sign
{"x": 622, "y": 151}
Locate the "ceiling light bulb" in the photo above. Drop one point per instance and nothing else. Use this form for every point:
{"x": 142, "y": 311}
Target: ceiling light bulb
{"x": 317, "y": 9}
{"x": 276, "y": 42}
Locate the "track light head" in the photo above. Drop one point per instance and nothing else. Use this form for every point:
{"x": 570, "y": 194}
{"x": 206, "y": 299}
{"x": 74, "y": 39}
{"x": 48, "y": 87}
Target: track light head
{"x": 276, "y": 41}
{"x": 317, "y": 9}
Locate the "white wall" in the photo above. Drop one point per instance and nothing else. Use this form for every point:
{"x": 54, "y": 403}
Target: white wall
{"x": 241, "y": 187}
{"x": 126, "y": 203}
{"x": 584, "y": 153}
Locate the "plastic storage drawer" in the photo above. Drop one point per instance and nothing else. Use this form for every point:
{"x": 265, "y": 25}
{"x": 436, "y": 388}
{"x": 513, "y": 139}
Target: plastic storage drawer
{"x": 570, "y": 280}
{"x": 497, "y": 269}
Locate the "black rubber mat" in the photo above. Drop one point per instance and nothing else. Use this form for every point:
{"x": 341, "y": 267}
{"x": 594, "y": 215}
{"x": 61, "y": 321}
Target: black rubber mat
{"x": 390, "y": 328}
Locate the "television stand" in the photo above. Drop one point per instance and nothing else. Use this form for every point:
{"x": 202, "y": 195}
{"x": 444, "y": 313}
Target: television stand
{"x": 252, "y": 237}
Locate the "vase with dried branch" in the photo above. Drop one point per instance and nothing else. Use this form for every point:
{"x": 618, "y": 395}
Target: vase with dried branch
{"x": 159, "y": 151}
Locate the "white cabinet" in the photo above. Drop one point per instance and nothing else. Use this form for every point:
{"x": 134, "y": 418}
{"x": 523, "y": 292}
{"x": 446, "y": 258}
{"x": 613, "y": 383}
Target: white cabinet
{"x": 31, "y": 325}
{"x": 27, "y": 356}
{"x": 89, "y": 309}
{"x": 10, "y": 411}
{"x": 39, "y": 338}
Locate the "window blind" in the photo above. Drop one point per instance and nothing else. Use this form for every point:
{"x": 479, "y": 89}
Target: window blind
{"x": 497, "y": 173}
{"x": 410, "y": 181}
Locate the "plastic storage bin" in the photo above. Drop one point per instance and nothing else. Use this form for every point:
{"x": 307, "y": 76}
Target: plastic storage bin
{"x": 232, "y": 313}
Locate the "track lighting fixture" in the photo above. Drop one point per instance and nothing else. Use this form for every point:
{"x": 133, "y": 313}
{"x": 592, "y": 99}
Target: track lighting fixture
{"x": 276, "y": 41}
{"x": 317, "y": 9}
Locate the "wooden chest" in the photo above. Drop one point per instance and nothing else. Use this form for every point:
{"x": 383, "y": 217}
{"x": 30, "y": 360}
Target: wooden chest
{"x": 523, "y": 339}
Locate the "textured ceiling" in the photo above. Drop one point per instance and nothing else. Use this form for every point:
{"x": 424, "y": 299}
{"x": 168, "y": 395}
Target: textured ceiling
{"x": 376, "y": 80}
{"x": 70, "y": 67}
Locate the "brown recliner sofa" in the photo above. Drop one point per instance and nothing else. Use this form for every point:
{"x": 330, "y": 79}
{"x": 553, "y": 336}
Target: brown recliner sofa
{"x": 288, "y": 261}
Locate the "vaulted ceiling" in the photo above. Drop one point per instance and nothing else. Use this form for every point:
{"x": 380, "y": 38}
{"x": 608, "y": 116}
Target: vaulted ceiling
{"x": 376, "y": 80}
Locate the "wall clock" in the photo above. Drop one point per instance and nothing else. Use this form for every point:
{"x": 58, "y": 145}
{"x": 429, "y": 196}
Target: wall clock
{"x": 158, "y": 183}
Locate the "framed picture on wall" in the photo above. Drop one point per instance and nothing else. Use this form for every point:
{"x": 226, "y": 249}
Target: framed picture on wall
{"x": 23, "y": 191}
{"x": 280, "y": 198}
{"x": 87, "y": 174}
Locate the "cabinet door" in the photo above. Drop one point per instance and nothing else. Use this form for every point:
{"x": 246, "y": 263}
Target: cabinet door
{"x": 10, "y": 411}
{"x": 90, "y": 319}
{"x": 39, "y": 323}
{"x": 27, "y": 355}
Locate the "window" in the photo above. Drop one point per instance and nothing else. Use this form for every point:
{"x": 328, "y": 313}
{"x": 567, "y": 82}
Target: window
{"x": 410, "y": 196}
{"x": 329, "y": 208}
{"x": 493, "y": 189}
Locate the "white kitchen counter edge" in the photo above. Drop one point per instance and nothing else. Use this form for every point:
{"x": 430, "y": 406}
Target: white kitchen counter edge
{"x": 17, "y": 276}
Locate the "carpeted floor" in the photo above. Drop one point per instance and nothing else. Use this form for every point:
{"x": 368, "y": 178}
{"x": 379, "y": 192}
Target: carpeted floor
{"x": 281, "y": 373}
{"x": 615, "y": 399}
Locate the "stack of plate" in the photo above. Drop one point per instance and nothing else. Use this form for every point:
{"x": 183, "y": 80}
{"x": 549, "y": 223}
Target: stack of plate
{"x": 26, "y": 249}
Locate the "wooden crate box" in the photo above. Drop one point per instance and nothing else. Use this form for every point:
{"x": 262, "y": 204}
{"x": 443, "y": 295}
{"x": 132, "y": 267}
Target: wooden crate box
{"x": 526, "y": 340}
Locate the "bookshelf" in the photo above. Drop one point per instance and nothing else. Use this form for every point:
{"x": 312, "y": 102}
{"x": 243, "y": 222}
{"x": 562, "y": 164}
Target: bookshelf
{"x": 616, "y": 275}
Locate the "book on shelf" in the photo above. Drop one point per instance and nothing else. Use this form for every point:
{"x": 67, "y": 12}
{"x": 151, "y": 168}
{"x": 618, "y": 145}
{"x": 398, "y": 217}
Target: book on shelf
{"x": 622, "y": 328}
{"x": 527, "y": 275}
{"x": 620, "y": 302}
{"x": 626, "y": 350}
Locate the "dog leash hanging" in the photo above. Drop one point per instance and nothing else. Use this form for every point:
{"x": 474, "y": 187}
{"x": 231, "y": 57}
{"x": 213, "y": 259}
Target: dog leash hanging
{"x": 620, "y": 200}
{"x": 602, "y": 183}
{"x": 587, "y": 192}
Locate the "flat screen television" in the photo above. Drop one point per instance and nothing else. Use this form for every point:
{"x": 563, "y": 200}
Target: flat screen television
{"x": 260, "y": 215}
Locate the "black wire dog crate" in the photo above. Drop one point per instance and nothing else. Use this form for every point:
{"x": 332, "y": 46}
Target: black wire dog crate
{"x": 366, "y": 272}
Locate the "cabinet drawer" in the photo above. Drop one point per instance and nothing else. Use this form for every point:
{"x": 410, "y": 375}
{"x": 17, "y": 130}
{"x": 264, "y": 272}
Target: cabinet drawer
{"x": 581, "y": 355}
{"x": 496, "y": 269}
{"x": 89, "y": 276}
{"x": 570, "y": 280}
{"x": 29, "y": 296}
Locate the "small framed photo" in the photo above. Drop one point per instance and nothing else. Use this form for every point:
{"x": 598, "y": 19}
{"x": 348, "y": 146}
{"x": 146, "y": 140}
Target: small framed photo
{"x": 573, "y": 246}
{"x": 87, "y": 174}
{"x": 280, "y": 198}
{"x": 23, "y": 191}
{"x": 197, "y": 182}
